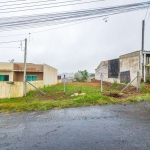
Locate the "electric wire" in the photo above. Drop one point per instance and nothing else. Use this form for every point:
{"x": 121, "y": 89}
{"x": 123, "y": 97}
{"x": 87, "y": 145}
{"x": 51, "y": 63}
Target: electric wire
{"x": 33, "y": 20}
{"x": 11, "y": 1}
{"x": 45, "y": 14}
{"x": 13, "y": 23}
{"x": 48, "y": 29}
{"x": 62, "y": 16}
{"x": 70, "y": 12}
{"x": 27, "y": 3}
{"x": 37, "y": 2}
{"x": 36, "y": 61}
{"x": 11, "y": 42}
{"x": 148, "y": 17}
{"x": 9, "y": 47}
{"x": 147, "y": 12}
{"x": 49, "y": 24}
{"x": 20, "y": 10}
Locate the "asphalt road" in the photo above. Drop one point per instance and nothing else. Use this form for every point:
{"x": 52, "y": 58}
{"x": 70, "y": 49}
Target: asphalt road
{"x": 111, "y": 127}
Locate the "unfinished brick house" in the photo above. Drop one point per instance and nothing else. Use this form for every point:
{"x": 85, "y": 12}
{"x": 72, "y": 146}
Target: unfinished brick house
{"x": 125, "y": 68}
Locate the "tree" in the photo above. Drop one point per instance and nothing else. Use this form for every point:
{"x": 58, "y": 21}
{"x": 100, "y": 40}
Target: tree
{"x": 81, "y": 76}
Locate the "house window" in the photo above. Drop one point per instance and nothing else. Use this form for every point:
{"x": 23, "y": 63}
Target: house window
{"x": 4, "y": 77}
{"x": 31, "y": 78}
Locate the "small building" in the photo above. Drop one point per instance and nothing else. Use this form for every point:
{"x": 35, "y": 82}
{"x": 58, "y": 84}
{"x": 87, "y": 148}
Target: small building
{"x": 34, "y": 72}
{"x": 124, "y": 69}
{"x": 59, "y": 79}
{"x": 39, "y": 75}
{"x": 91, "y": 77}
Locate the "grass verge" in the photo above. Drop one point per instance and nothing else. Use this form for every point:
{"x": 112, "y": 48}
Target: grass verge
{"x": 55, "y": 98}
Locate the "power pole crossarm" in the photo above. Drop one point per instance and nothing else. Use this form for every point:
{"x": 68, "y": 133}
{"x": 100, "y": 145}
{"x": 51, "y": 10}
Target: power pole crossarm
{"x": 25, "y": 58}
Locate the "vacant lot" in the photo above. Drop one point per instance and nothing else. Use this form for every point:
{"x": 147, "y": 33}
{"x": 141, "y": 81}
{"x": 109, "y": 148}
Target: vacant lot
{"x": 56, "y": 98}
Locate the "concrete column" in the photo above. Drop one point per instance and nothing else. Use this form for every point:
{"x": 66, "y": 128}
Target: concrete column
{"x": 144, "y": 67}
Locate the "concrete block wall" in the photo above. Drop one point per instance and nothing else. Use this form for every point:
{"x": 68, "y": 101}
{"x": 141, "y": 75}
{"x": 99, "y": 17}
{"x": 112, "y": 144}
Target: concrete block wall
{"x": 16, "y": 89}
{"x": 103, "y": 68}
{"x": 38, "y": 84}
{"x": 50, "y": 75}
{"x": 130, "y": 62}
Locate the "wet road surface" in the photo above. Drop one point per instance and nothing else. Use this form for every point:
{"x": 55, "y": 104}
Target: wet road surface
{"x": 111, "y": 127}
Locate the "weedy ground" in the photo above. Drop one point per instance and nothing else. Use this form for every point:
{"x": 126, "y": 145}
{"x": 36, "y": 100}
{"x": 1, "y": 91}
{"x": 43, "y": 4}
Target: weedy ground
{"x": 56, "y": 98}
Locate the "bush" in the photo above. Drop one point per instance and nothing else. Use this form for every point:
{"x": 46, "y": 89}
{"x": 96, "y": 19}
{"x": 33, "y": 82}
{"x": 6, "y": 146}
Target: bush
{"x": 148, "y": 80}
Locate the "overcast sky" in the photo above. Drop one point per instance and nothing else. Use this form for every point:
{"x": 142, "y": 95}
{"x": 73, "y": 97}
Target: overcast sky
{"x": 80, "y": 46}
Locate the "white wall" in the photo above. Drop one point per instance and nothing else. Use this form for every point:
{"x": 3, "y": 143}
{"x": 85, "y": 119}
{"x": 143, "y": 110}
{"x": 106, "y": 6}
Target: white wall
{"x": 7, "y": 69}
{"x": 130, "y": 62}
{"x": 50, "y": 75}
{"x": 6, "y": 66}
{"x": 38, "y": 84}
{"x": 103, "y": 68}
{"x": 16, "y": 89}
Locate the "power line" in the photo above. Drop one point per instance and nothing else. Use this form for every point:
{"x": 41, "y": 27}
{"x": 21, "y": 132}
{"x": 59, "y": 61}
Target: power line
{"x": 27, "y": 3}
{"x": 37, "y": 2}
{"x": 32, "y": 57}
{"x": 4, "y": 12}
{"x": 9, "y": 47}
{"x": 14, "y": 35}
{"x": 148, "y": 17}
{"x": 11, "y": 1}
{"x": 48, "y": 24}
{"x": 66, "y": 17}
{"x": 11, "y": 41}
{"x": 65, "y": 12}
{"x": 49, "y": 29}
{"x": 65, "y": 21}
{"x": 146, "y": 12}
{"x": 49, "y": 18}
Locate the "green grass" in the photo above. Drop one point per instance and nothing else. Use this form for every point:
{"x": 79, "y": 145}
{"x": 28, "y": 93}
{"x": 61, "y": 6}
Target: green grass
{"x": 55, "y": 98}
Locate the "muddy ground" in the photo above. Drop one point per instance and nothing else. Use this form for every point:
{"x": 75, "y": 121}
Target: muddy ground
{"x": 111, "y": 127}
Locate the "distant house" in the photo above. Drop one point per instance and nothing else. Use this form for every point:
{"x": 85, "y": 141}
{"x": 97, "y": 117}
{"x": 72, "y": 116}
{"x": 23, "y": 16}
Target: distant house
{"x": 59, "y": 79}
{"x": 91, "y": 77}
{"x": 34, "y": 72}
{"x": 125, "y": 68}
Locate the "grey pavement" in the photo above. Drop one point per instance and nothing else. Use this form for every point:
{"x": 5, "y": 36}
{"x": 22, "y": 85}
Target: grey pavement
{"x": 110, "y": 127}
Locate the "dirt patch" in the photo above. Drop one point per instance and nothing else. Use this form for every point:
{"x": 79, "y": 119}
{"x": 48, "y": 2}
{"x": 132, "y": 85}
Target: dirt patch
{"x": 147, "y": 86}
{"x": 115, "y": 95}
{"x": 93, "y": 83}
{"x": 50, "y": 96}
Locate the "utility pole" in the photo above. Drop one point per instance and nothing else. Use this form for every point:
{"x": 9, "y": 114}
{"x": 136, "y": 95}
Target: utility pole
{"x": 25, "y": 58}
{"x": 143, "y": 32}
{"x": 144, "y": 55}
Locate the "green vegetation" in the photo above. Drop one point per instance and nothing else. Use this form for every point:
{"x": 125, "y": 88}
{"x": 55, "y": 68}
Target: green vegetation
{"x": 148, "y": 80}
{"x": 55, "y": 98}
{"x": 81, "y": 76}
